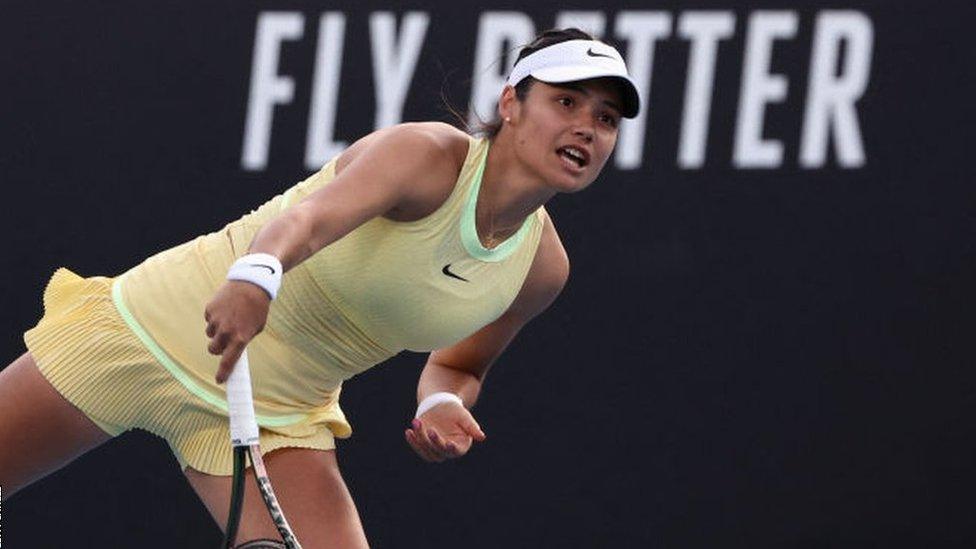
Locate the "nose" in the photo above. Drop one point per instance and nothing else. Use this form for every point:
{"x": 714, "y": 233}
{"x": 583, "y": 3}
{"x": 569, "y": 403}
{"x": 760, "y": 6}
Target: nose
{"x": 585, "y": 125}
{"x": 585, "y": 133}
{"x": 584, "y": 130}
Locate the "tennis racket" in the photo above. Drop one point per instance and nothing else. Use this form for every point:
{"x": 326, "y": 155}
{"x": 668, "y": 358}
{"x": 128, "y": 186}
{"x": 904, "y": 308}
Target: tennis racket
{"x": 244, "y": 439}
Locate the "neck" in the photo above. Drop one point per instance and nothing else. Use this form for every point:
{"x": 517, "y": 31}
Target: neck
{"x": 509, "y": 192}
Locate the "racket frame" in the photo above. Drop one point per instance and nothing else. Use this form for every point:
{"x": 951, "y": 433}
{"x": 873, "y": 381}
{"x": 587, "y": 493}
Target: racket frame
{"x": 246, "y": 442}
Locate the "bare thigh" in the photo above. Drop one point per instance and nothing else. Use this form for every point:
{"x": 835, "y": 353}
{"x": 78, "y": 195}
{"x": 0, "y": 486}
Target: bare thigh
{"x": 40, "y": 431}
{"x": 312, "y": 494}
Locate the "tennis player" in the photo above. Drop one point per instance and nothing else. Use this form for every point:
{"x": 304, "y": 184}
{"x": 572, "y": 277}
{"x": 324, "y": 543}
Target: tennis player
{"x": 416, "y": 237}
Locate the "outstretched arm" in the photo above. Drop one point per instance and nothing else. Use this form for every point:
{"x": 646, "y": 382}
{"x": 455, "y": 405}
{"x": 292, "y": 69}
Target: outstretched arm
{"x": 448, "y": 430}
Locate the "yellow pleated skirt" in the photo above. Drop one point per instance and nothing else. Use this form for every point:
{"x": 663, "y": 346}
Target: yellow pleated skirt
{"x": 85, "y": 350}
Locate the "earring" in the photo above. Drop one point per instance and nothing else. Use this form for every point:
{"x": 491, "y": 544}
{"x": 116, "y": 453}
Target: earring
{"x": 508, "y": 119}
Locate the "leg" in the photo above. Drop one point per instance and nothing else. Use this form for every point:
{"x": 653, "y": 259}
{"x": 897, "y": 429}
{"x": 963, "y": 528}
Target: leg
{"x": 311, "y": 492}
{"x": 40, "y": 431}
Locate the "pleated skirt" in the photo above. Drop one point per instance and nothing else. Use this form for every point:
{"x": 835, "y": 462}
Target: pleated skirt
{"x": 87, "y": 352}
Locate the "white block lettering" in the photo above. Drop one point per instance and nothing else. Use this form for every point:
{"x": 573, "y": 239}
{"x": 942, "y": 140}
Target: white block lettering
{"x": 394, "y": 61}
{"x": 499, "y": 33}
{"x": 759, "y": 87}
{"x": 704, "y": 29}
{"x": 267, "y": 88}
{"x": 641, "y": 29}
{"x": 831, "y": 97}
{"x": 320, "y": 145}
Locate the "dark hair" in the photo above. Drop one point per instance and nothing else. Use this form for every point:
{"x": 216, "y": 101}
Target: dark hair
{"x": 545, "y": 39}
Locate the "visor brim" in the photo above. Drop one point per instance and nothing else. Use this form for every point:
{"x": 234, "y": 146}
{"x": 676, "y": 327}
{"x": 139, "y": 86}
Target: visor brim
{"x": 562, "y": 75}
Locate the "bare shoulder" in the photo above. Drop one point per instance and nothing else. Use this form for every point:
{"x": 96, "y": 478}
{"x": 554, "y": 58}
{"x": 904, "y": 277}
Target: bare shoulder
{"x": 446, "y": 138}
{"x": 547, "y": 276}
{"x": 431, "y": 154}
{"x": 427, "y": 141}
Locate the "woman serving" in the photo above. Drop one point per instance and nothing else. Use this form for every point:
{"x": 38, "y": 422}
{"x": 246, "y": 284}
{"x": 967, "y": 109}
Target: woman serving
{"x": 416, "y": 237}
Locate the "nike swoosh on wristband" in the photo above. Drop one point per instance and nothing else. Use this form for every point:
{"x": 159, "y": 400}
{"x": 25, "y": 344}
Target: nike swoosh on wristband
{"x": 268, "y": 267}
{"x": 592, "y": 53}
{"x": 446, "y": 270}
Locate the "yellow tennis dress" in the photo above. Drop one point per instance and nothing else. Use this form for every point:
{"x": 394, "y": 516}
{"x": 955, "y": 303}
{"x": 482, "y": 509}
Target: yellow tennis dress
{"x": 131, "y": 352}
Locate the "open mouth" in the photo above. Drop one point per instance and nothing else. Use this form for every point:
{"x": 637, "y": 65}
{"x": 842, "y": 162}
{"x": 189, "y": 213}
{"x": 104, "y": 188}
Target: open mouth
{"x": 574, "y": 156}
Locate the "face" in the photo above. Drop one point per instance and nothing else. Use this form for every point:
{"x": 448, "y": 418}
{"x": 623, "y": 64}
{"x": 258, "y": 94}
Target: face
{"x": 565, "y": 132}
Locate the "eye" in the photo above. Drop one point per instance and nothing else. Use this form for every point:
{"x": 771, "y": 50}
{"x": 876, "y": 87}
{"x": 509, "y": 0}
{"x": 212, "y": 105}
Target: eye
{"x": 565, "y": 101}
{"x": 609, "y": 120}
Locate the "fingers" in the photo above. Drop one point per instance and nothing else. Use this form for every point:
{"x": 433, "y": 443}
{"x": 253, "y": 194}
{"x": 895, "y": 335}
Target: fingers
{"x": 229, "y": 347}
{"x": 218, "y": 343}
{"x": 229, "y": 358}
{"x": 421, "y": 444}
{"x": 474, "y": 430}
{"x": 420, "y": 449}
{"x": 447, "y": 448}
{"x": 429, "y": 445}
{"x": 429, "y": 449}
{"x": 235, "y": 315}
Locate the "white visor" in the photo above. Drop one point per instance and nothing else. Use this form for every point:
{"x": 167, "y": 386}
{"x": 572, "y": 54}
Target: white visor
{"x": 575, "y": 60}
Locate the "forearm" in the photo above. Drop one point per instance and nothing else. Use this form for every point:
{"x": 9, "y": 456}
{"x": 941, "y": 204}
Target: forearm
{"x": 438, "y": 377}
{"x": 290, "y": 237}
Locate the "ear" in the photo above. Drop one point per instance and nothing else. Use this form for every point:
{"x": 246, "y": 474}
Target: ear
{"x": 508, "y": 104}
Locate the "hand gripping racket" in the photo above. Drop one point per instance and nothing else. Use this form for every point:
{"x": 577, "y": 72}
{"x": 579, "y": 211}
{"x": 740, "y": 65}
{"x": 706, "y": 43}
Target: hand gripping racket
{"x": 244, "y": 439}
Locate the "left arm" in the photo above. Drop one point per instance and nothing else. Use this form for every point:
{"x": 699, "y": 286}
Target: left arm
{"x": 448, "y": 430}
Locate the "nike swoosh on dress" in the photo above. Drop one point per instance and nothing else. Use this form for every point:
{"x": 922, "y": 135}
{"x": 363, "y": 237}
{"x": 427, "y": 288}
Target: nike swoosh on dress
{"x": 446, "y": 270}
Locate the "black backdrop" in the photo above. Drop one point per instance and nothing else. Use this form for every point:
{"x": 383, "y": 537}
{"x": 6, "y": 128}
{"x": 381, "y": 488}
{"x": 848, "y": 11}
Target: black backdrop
{"x": 772, "y": 357}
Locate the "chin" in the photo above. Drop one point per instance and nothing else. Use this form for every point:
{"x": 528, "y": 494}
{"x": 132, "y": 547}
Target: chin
{"x": 566, "y": 183}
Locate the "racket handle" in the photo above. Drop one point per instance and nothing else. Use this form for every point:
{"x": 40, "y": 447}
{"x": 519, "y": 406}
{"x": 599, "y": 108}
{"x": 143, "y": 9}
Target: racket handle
{"x": 240, "y": 405}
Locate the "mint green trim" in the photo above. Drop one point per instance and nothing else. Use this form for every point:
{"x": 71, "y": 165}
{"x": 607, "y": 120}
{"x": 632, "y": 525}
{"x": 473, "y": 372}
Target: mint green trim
{"x": 469, "y": 229}
{"x": 286, "y": 200}
{"x": 178, "y": 373}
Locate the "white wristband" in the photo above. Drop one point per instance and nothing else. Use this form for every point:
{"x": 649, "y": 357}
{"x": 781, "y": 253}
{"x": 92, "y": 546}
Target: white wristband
{"x": 434, "y": 400}
{"x": 263, "y": 270}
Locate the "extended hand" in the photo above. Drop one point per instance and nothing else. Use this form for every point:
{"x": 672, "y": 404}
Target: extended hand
{"x": 234, "y": 316}
{"x": 445, "y": 431}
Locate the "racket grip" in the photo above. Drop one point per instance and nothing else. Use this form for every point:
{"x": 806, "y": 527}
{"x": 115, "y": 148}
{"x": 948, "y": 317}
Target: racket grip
{"x": 240, "y": 405}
